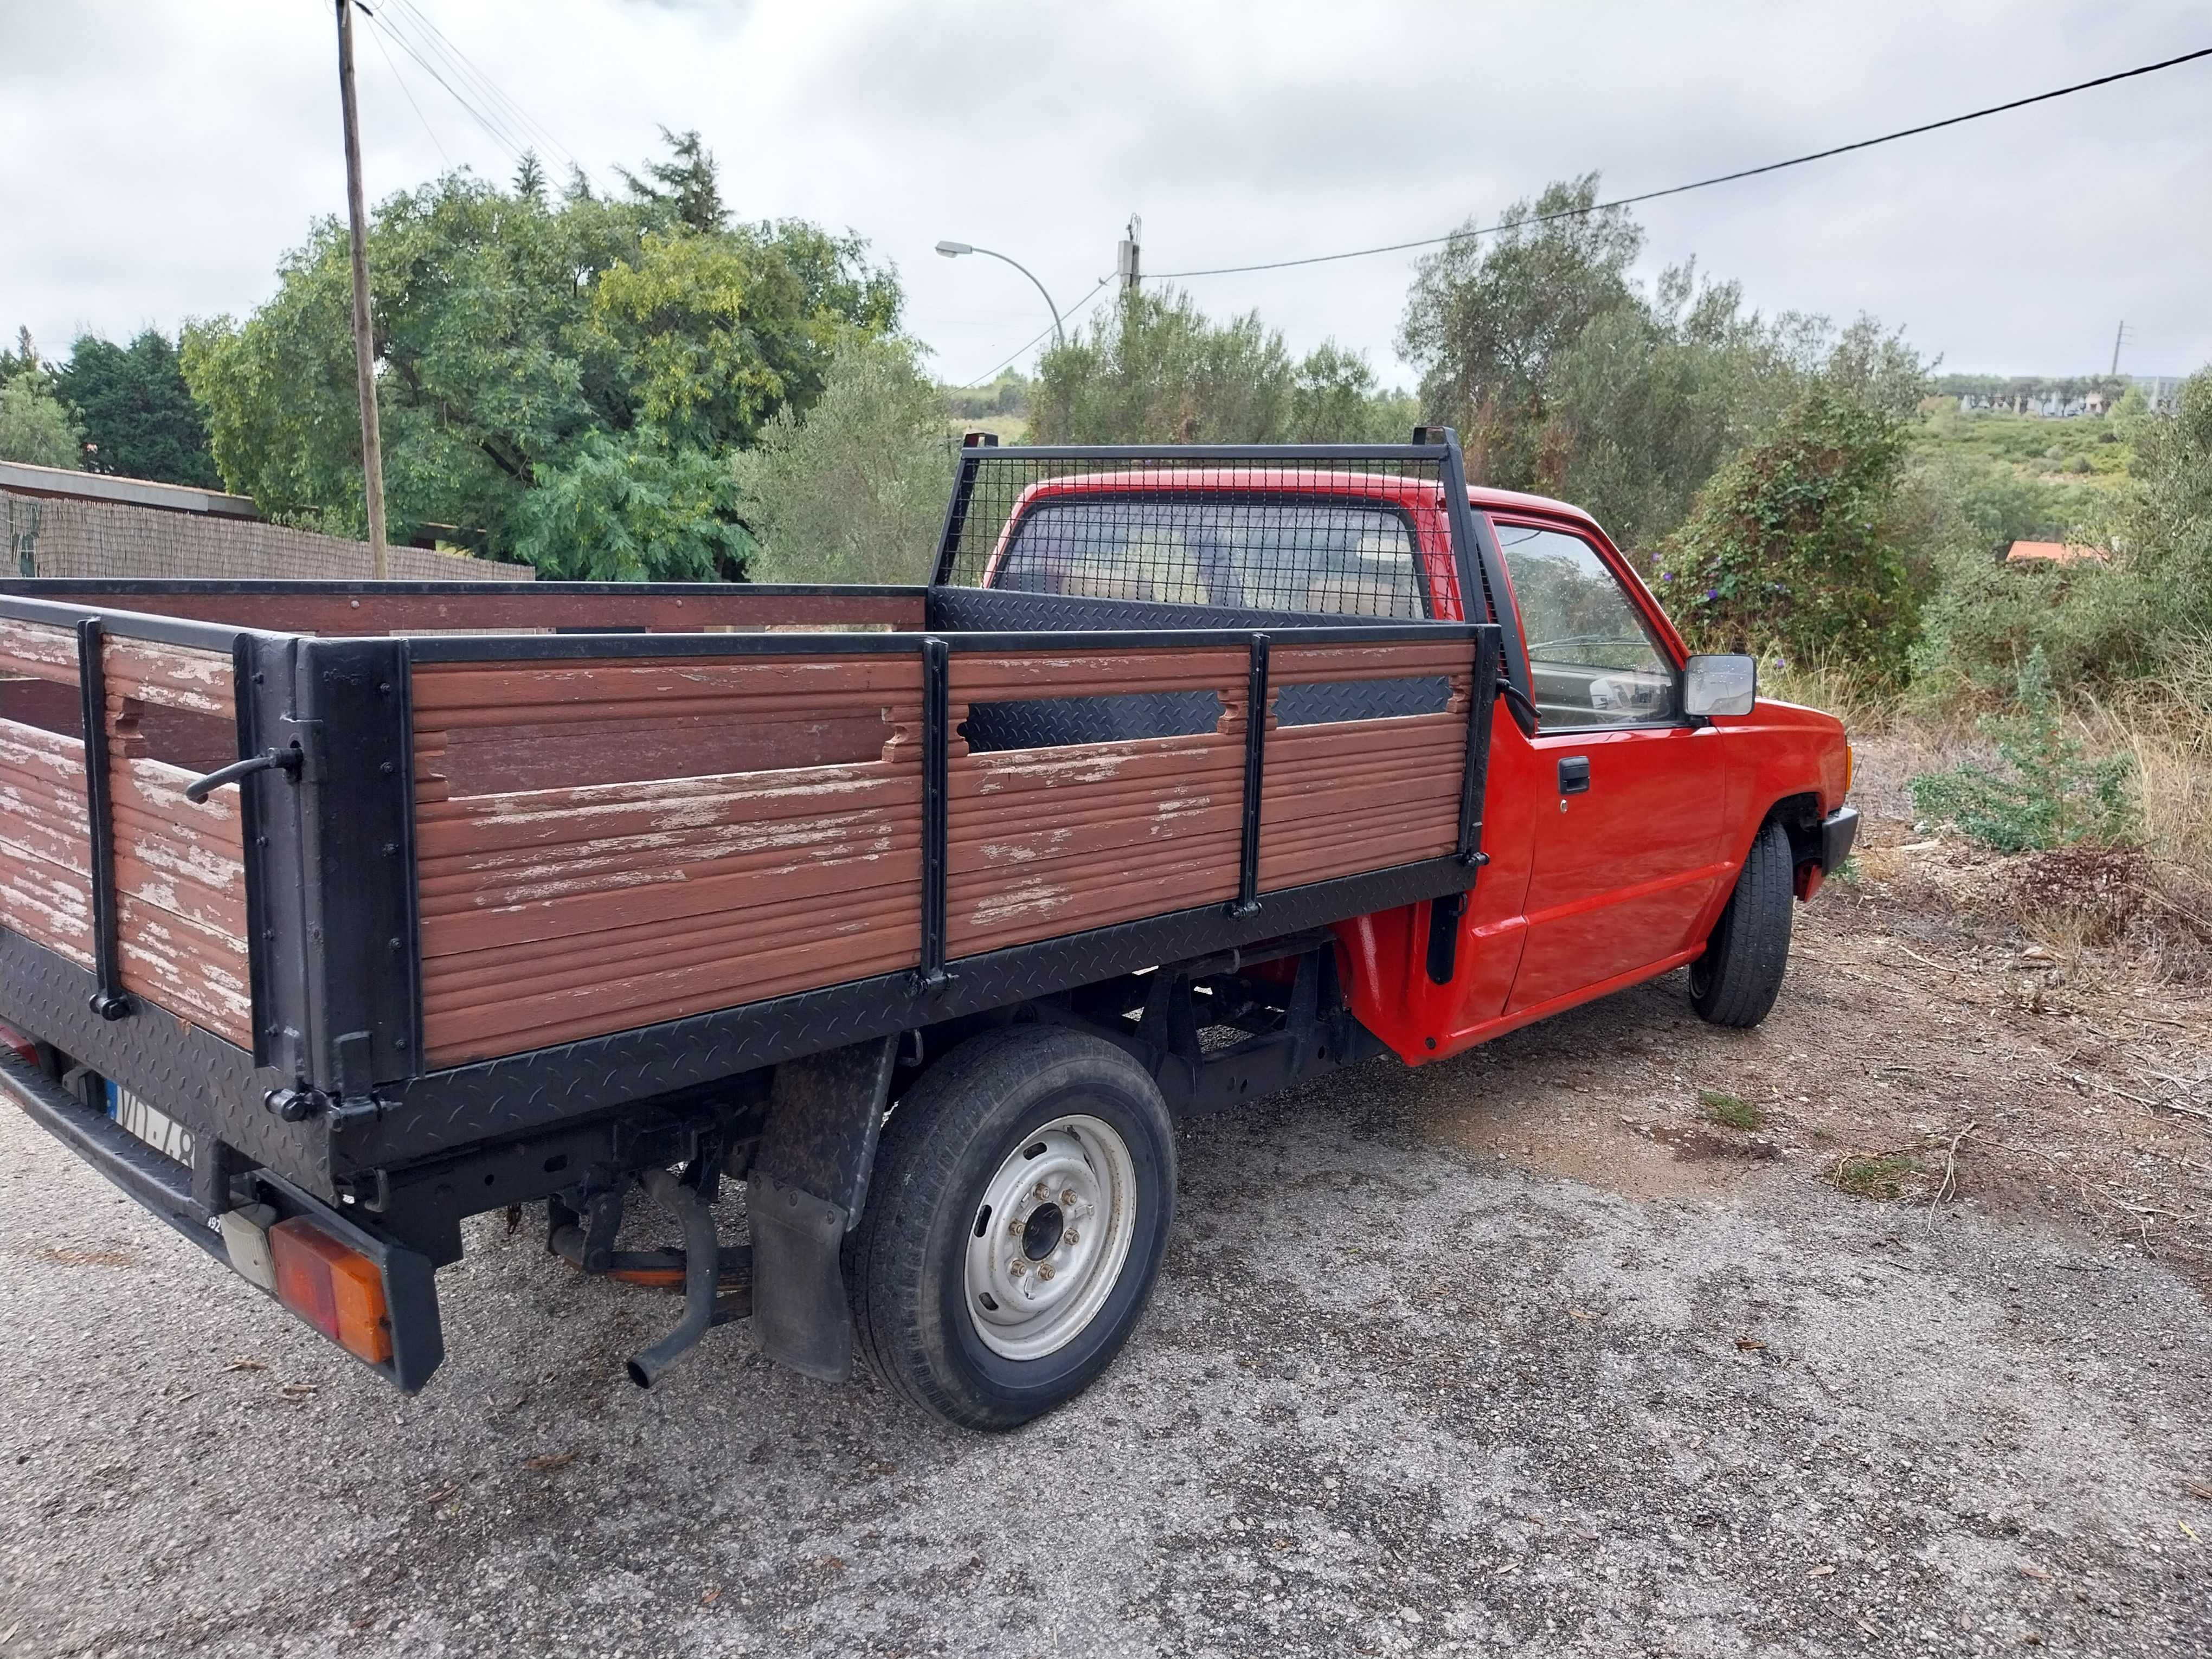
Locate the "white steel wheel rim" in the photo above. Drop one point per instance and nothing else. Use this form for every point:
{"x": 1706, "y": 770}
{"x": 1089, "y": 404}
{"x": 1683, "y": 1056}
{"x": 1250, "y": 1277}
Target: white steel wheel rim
{"x": 1049, "y": 1237}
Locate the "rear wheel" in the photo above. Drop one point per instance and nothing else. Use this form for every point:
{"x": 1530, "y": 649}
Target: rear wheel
{"x": 1738, "y": 977}
{"x": 1023, "y": 1191}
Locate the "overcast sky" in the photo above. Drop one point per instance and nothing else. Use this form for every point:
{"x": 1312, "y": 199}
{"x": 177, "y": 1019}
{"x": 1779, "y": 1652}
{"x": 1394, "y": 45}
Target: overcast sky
{"x": 156, "y": 161}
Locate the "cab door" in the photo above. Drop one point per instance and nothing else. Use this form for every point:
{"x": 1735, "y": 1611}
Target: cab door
{"x": 1628, "y": 846}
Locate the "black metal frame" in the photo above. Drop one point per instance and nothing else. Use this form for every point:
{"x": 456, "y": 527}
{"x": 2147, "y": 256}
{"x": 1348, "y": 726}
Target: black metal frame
{"x": 1480, "y": 564}
{"x": 62, "y": 588}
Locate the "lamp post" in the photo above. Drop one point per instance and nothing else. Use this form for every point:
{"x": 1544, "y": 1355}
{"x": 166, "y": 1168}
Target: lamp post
{"x": 954, "y": 250}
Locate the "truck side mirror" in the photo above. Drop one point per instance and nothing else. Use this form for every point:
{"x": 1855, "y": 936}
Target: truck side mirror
{"x": 1720, "y": 685}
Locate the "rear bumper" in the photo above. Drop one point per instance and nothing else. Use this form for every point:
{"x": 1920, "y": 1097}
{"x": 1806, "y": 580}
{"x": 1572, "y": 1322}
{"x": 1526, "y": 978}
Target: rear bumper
{"x": 158, "y": 1184}
{"x": 163, "y": 1187}
{"x": 1839, "y": 830}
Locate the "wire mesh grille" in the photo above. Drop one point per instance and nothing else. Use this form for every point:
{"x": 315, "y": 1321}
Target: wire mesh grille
{"x": 1338, "y": 533}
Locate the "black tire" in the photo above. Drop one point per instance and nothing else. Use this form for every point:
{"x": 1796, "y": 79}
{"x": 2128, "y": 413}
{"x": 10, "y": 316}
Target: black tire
{"x": 1738, "y": 977}
{"x": 952, "y": 1133}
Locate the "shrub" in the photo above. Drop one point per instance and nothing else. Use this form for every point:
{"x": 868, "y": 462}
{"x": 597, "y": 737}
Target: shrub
{"x": 2048, "y": 793}
{"x": 1789, "y": 543}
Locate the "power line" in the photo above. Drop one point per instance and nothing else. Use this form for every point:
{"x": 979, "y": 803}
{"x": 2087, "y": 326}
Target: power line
{"x": 505, "y": 140}
{"x": 1701, "y": 184}
{"x": 1081, "y": 306}
{"x": 514, "y": 115}
{"x": 386, "y": 53}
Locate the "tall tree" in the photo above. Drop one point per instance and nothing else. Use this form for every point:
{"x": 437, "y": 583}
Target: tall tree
{"x": 855, "y": 491}
{"x": 1334, "y": 399}
{"x": 685, "y": 189}
{"x": 530, "y": 179}
{"x": 25, "y": 355}
{"x": 1490, "y": 312}
{"x": 610, "y": 352}
{"x": 139, "y": 419}
{"x": 1156, "y": 369}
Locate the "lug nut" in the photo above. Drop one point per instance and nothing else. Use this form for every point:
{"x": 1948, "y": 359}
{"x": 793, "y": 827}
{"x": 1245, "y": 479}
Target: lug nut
{"x": 1017, "y": 1267}
{"x": 1040, "y": 1193}
{"x": 1067, "y": 1198}
{"x": 1044, "y": 1270}
{"x": 1071, "y": 1236}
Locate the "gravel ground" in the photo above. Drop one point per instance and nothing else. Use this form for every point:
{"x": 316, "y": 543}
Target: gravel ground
{"x": 1395, "y": 1395}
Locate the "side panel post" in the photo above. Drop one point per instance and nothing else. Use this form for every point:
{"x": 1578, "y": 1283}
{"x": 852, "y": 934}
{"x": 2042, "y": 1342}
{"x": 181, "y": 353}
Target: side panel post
{"x": 1256, "y": 760}
{"x": 110, "y": 1001}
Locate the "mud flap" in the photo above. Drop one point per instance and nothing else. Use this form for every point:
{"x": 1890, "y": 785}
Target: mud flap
{"x": 805, "y": 1191}
{"x": 800, "y": 1316}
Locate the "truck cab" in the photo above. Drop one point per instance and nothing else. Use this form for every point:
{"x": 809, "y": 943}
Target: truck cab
{"x": 1619, "y": 816}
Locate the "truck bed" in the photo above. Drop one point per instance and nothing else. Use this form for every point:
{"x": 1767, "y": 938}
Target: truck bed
{"x": 550, "y": 848}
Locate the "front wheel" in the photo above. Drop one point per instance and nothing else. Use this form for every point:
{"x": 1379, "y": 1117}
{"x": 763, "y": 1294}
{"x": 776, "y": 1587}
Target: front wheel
{"x": 1023, "y": 1191}
{"x": 1738, "y": 977}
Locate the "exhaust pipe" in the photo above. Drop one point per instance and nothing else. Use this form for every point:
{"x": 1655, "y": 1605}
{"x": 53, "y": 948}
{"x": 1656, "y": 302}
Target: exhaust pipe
{"x": 701, "y": 1275}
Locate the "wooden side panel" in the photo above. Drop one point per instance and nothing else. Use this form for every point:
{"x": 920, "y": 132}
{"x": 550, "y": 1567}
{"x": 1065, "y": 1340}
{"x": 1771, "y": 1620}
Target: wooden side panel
{"x": 181, "y": 931}
{"x": 1051, "y": 840}
{"x": 169, "y": 676}
{"x": 1350, "y": 796}
{"x": 708, "y": 832}
{"x": 46, "y": 855}
{"x": 38, "y": 651}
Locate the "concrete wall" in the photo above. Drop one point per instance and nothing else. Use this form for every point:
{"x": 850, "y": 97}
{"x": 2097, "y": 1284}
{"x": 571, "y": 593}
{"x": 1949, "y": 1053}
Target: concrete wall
{"x": 102, "y": 539}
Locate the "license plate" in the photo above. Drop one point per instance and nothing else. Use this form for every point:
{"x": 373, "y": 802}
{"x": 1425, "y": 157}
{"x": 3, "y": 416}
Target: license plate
{"x": 157, "y": 1129}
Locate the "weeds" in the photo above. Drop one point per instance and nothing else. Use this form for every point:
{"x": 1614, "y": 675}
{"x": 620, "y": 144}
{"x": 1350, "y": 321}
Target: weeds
{"x": 1879, "y": 1177}
{"x": 1731, "y": 1111}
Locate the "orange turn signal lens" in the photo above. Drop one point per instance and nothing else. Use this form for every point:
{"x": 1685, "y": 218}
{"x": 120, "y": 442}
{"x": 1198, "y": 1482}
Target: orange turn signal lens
{"x": 333, "y": 1286}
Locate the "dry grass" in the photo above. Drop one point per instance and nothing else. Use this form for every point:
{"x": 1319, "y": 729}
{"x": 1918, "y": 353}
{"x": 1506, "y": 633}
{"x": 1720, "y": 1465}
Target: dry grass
{"x": 1864, "y": 705}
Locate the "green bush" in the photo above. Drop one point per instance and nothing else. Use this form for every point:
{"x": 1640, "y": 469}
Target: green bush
{"x": 36, "y": 427}
{"x": 1790, "y": 544}
{"x": 2048, "y": 793}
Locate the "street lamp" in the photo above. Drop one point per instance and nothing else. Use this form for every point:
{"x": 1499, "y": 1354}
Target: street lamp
{"x": 954, "y": 250}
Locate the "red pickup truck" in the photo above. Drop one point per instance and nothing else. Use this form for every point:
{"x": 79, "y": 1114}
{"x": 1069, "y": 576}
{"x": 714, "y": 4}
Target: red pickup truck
{"x": 332, "y": 915}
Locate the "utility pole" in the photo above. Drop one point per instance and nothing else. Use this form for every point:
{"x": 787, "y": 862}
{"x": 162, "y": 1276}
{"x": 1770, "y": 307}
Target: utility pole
{"x": 364, "y": 352}
{"x": 1128, "y": 254}
{"x": 2118, "y": 335}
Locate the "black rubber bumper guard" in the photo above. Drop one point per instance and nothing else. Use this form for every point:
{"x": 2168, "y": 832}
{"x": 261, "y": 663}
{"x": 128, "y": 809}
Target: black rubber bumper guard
{"x": 1838, "y": 831}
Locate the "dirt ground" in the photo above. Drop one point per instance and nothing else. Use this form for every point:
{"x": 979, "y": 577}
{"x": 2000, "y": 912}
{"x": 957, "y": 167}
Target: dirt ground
{"x": 1527, "y": 1352}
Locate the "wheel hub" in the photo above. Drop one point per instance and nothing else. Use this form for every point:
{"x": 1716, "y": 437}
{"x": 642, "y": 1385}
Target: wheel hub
{"x": 1050, "y": 1237}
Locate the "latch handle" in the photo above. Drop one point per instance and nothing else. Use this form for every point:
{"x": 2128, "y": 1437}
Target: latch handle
{"x": 283, "y": 760}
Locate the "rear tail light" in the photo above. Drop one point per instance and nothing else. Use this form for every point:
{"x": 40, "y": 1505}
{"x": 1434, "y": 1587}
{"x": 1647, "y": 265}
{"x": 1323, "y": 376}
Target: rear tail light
{"x": 333, "y": 1286}
{"x": 12, "y": 1038}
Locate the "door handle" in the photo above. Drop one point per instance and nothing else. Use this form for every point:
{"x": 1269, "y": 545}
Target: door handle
{"x": 1574, "y": 775}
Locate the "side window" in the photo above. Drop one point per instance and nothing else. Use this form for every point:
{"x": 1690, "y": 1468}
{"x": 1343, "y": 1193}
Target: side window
{"x": 1595, "y": 663}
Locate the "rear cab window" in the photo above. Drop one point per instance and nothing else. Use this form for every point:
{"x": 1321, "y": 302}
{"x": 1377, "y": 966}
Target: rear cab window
{"x": 1352, "y": 558}
{"x": 1594, "y": 659}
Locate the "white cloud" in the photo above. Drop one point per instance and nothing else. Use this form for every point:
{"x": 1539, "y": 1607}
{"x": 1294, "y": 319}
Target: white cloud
{"x": 156, "y": 162}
